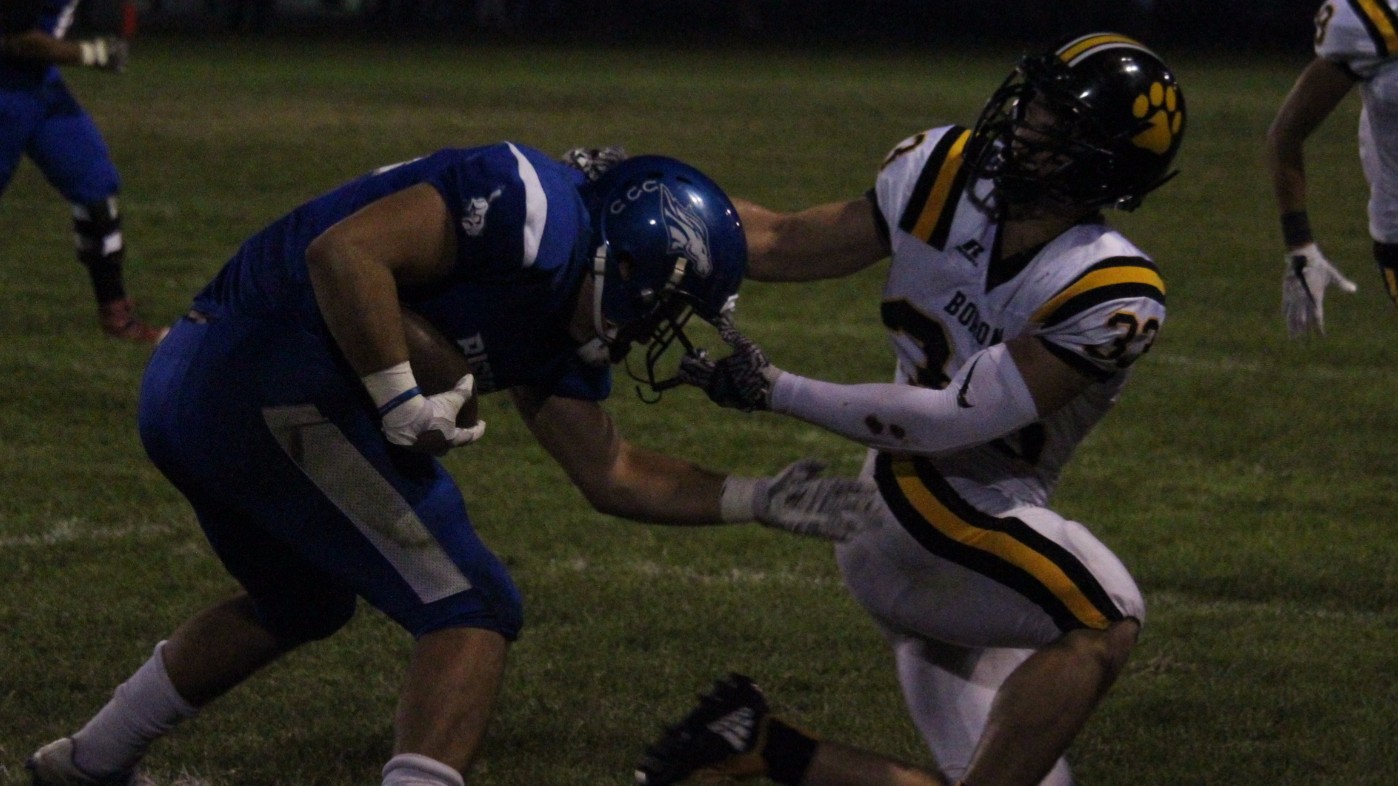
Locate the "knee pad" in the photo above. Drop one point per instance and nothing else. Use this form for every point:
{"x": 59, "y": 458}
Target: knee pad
{"x": 97, "y": 231}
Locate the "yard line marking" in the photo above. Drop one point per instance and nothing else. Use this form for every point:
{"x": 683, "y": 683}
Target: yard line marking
{"x": 72, "y": 530}
{"x": 1174, "y": 601}
{"x": 650, "y": 569}
{"x": 1279, "y": 609}
{"x": 1208, "y": 364}
{"x": 1231, "y": 364}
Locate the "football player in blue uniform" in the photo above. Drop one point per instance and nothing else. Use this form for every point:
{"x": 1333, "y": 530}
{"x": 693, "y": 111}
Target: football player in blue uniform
{"x": 40, "y": 118}
{"x": 1015, "y": 314}
{"x": 1356, "y": 45}
{"x": 287, "y": 408}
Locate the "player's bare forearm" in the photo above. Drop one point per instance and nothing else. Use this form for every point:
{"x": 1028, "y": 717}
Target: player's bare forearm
{"x": 661, "y": 489}
{"x": 1317, "y": 91}
{"x": 359, "y": 303}
{"x": 617, "y": 477}
{"x": 356, "y": 267}
{"x": 39, "y": 46}
{"x": 825, "y": 241}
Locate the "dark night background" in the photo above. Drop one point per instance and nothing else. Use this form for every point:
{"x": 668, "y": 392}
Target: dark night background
{"x": 1196, "y": 24}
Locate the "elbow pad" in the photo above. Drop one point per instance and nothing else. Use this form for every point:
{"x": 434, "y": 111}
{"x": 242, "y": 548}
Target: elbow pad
{"x": 986, "y": 399}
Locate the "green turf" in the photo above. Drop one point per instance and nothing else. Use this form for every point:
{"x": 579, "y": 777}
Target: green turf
{"x": 1245, "y": 479}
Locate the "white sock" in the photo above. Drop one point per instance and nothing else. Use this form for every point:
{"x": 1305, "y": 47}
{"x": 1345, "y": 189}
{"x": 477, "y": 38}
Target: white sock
{"x": 141, "y": 710}
{"x": 412, "y": 769}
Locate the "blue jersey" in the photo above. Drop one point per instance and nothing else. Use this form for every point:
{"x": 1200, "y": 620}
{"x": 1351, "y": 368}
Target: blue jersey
{"x": 20, "y": 16}
{"x": 523, "y": 246}
{"x": 254, "y": 414}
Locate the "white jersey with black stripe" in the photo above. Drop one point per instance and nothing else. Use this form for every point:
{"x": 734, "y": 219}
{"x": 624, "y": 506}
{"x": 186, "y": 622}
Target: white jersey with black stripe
{"x": 1361, "y": 36}
{"x": 1094, "y": 299}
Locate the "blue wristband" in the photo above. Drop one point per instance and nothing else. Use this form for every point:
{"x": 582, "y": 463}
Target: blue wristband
{"x": 398, "y": 400}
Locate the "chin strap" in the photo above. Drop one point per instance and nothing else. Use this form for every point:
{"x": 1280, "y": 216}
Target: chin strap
{"x": 597, "y": 350}
{"x": 599, "y": 277}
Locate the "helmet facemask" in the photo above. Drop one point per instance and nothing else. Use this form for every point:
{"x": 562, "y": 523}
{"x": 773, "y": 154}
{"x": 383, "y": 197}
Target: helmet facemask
{"x": 624, "y": 315}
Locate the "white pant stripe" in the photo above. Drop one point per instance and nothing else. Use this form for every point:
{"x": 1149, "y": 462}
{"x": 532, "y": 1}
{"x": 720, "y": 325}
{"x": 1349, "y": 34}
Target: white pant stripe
{"x": 377, "y": 510}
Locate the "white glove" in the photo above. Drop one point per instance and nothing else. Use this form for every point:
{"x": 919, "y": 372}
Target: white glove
{"x": 799, "y": 500}
{"x": 1308, "y": 273}
{"x": 423, "y": 423}
{"x": 106, "y": 54}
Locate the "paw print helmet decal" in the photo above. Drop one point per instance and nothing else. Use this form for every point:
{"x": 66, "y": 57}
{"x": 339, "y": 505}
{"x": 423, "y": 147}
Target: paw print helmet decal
{"x": 1096, "y": 122}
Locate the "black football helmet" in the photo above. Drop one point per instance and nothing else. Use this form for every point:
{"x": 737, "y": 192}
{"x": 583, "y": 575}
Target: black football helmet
{"x": 1108, "y": 120}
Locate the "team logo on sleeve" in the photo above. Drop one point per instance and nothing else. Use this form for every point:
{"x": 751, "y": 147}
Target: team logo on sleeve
{"x": 688, "y": 236}
{"x": 473, "y": 218}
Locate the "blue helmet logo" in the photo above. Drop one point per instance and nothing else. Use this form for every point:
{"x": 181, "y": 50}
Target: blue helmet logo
{"x": 689, "y": 237}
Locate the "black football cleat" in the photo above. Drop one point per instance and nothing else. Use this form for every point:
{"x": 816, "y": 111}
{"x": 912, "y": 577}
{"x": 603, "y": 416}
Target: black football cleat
{"x": 720, "y": 738}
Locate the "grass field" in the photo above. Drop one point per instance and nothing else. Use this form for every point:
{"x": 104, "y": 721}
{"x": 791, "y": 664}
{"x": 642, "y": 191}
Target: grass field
{"x": 1246, "y": 480}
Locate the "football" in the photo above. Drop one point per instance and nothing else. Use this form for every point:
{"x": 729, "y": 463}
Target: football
{"x": 437, "y": 364}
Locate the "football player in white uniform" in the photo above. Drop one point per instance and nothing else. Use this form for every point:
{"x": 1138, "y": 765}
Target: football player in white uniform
{"x": 1356, "y": 43}
{"x": 1015, "y": 314}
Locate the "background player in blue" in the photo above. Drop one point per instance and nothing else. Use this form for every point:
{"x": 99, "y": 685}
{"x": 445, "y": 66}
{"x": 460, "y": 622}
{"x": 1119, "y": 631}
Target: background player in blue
{"x": 1015, "y": 314}
{"x": 40, "y": 118}
{"x": 286, "y": 409}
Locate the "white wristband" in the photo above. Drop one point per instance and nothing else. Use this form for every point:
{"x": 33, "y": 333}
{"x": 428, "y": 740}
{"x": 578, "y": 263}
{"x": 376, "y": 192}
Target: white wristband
{"x": 737, "y": 500}
{"x": 391, "y": 386}
{"x": 93, "y": 53}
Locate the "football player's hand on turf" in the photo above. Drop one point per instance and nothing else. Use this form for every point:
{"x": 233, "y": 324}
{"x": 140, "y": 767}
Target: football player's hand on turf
{"x": 108, "y": 53}
{"x": 743, "y": 380}
{"x": 427, "y": 424}
{"x": 1308, "y": 273}
{"x": 799, "y": 500}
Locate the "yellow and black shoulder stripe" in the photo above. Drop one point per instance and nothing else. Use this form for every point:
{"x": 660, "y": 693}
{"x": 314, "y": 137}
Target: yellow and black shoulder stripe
{"x": 1004, "y": 549}
{"x": 1381, "y": 22}
{"x": 932, "y": 206}
{"x": 1113, "y": 278}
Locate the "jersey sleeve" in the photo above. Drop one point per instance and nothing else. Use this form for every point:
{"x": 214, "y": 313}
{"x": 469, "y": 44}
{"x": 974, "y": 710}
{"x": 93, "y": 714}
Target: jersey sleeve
{"x": 920, "y": 179}
{"x": 1358, "y": 35}
{"x": 499, "y": 201}
{"x": 1106, "y": 318}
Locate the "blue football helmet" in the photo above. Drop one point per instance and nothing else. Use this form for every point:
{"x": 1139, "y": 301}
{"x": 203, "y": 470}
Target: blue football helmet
{"x": 669, "y": 245}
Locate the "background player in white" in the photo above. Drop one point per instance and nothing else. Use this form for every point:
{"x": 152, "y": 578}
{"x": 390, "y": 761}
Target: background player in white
{"x": 1015, "y": 313}
{"x": 1356, "y": 43}
{"x": 286, "y": 409}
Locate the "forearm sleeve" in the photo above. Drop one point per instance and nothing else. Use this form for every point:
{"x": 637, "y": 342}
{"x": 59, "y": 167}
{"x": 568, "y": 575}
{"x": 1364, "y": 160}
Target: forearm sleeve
{"x": 987, "y": 399}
